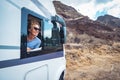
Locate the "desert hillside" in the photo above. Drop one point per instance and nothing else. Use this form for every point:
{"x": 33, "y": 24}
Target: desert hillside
{"x": 93, "y": 62}
{"x": 92, "y": 48}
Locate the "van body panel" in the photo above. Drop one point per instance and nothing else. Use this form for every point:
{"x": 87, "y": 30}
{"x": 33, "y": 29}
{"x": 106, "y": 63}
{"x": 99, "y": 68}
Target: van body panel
{"x": 22, "y": 72}
{"x": 47, "y": 64}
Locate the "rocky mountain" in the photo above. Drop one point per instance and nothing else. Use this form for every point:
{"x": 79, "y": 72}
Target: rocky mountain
{"x": 90, "y": 46}
{"x": 109, "y": 20}
{"x": 78, "y": 24}
{"x": 66, "y": 11}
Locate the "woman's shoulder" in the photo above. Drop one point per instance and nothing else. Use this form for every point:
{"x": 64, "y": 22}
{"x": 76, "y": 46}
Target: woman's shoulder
{"x": 38, "y": 39}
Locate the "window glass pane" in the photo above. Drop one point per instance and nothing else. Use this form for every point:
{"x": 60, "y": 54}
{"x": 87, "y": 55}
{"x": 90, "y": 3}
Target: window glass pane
{"x": 48, "y": 34}
{"x": 48, "y": 29}
{"x": 51, "y": 36}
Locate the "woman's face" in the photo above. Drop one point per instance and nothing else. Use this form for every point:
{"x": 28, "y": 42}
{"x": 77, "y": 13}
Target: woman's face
{"x": 34, "y": 30}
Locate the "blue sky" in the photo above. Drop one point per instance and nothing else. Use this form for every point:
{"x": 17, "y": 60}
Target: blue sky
{"x": 95, "y": 8}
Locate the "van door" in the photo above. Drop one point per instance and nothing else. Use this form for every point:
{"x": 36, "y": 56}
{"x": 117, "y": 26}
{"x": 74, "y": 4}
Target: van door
{"x": 39, "y": 73}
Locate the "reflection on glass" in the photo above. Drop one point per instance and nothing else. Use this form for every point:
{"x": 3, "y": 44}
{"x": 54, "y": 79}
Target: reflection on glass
{"x": 51, "y": 36}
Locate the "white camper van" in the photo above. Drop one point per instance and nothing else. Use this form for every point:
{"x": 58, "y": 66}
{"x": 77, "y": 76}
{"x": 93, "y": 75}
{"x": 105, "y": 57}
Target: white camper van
{"x": 47, "y": 62}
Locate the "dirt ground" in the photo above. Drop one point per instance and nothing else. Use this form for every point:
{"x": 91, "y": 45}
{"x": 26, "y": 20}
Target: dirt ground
{"x": 93, "y": 62}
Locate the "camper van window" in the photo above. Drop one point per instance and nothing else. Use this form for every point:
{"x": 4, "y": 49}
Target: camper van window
{"x": 39, "y": 36}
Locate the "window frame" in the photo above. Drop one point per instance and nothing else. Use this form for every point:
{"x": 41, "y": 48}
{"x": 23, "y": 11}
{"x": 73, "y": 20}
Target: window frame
{"x": 24, "y": 18}
{"x": 23, "y": 49}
